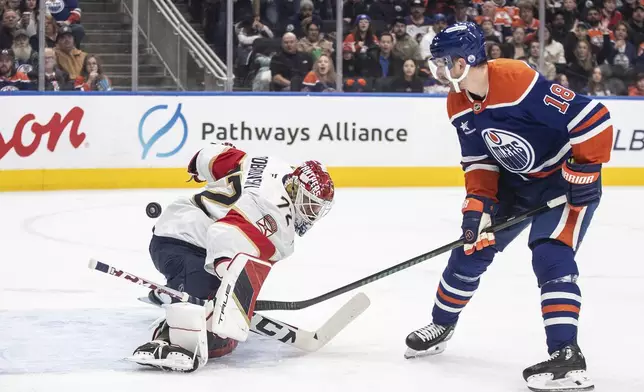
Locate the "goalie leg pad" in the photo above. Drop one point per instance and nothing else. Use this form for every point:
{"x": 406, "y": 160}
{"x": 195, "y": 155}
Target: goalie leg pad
{"x": 235, "y": 299}
{"x": 187, "y": 328}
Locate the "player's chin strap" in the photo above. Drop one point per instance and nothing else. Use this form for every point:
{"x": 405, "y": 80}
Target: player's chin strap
{"x": 456, "y": 81}
{"x": 448, "y": 75}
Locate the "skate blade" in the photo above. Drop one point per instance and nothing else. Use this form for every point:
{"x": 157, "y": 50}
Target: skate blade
{"x": 437, "y": 349}
{"x": 176, "y": 364}
{"x": 574, "y": 381}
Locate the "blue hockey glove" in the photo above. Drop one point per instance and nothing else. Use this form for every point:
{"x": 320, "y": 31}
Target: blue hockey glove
{"x": 584, "y": 182}
{"x": 477, "y": 216}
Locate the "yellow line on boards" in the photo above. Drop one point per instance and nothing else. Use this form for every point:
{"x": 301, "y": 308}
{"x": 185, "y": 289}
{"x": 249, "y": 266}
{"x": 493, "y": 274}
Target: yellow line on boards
{"x": 120, "y": 178}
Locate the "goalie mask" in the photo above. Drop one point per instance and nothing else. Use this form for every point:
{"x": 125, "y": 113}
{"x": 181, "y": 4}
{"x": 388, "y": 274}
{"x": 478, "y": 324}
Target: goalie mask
{"x": 311, "y": 190}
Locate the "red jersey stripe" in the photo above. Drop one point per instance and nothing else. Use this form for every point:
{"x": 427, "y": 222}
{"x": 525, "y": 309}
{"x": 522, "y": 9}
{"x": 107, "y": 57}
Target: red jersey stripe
{"x": 226, "y": 162}
{"x": 264, "y": 246}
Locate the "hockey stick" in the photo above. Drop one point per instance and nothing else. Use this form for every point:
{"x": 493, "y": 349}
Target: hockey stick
{"x": 305, "y": 340}
{"x": 297, "y": 305}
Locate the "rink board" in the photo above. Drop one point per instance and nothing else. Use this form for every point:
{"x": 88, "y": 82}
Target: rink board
{"x": 98, "y": 141}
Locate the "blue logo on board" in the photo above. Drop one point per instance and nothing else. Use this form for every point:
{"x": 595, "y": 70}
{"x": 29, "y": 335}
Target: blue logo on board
{"x": 176, "y": 123}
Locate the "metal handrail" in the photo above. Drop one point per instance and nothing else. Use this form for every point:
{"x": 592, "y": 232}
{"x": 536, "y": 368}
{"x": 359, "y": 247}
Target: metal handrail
{"x": 168, "y": 69}
{"x": 200, "y": 48}
{"x": 207, "y": 47}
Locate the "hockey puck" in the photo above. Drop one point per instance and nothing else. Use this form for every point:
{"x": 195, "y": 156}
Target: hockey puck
{"x": 153, "y": 210}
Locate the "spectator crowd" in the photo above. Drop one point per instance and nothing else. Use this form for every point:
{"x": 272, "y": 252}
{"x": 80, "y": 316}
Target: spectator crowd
{"x": 595, "y": 47}
{"x": 66, "y": 65}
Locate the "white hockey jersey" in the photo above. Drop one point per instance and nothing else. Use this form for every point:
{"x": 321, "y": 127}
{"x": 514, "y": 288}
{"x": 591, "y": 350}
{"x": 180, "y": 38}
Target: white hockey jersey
{"x": 243, "y": 208}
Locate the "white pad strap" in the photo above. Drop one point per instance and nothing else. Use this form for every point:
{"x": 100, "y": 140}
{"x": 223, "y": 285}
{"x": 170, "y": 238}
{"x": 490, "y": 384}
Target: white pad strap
{"x": 230, "y": 318}
{"x": 187, "y": 324}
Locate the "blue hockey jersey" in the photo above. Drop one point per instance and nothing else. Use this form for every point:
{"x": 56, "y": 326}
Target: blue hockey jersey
{"x": 525, "y": 128}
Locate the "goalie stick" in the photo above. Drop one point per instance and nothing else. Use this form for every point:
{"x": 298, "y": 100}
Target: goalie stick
{"x": 309, "y": 341}
{"x": 297, "y": 305}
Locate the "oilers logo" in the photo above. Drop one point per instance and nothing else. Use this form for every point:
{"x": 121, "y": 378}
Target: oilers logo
{"x": 55, "y": 6}
{"x": 25, "y": 68}
{"x": 10, "y": 88}
{"x": 512, "y": 151}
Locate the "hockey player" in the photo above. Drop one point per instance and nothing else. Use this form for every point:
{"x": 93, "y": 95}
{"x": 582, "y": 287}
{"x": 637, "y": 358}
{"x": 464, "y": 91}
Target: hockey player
{"x": 220, "y": 244}
{"x": 524, "y": 141}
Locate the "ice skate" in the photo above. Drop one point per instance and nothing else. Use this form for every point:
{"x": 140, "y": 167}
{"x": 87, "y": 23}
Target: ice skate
{"x": 166, "y": 356}
{"x": 564, "y": 371}
{"x": 429, "y": 340}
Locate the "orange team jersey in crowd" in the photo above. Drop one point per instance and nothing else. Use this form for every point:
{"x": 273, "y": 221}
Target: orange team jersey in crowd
{"x": 525, "y": 128}
{"x": 17, "y": 81}
{"x": 503, "y": 17}
{"x": 529, "y": 28}
{"x": 596, "y": 37}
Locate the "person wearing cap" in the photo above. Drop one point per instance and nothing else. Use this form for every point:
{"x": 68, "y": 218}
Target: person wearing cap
{"x": 362, "y": 38}
{"x": 352, "y": 8}
{"x": 26, "y": 58}
{"x": 440, "y": 22}
{"x": 636, "y": 24}
{"x": 67, "y": 13}
{"x": 70, "y": 59}
{"x": 10, "y": 79}
{"x": 405, "y": 46}
{"x": 578, "y": 32}
{"x": 299, "y": 21}
{"x": 349, "y": 68}
{"x": 417, "y": 23}
{"x": 460, "y": 13}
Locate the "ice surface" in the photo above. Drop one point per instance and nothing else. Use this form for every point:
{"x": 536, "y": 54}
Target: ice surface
{"x": 64, "y": 327}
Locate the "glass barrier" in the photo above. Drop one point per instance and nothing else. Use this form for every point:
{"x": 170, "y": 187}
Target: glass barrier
{"x": 316, "y": 46}
{"x": 382, "y": 46}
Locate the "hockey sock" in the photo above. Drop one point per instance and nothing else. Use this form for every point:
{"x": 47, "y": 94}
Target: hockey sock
{"x": 560, "y": 305}
{"x": 453, "y": 293}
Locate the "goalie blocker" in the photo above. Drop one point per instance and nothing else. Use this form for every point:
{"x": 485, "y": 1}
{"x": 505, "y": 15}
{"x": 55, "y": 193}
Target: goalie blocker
{"x": 182, "y": 341}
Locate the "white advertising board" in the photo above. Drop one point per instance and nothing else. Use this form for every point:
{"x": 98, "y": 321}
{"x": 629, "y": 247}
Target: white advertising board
{"x": 139, "y": 131}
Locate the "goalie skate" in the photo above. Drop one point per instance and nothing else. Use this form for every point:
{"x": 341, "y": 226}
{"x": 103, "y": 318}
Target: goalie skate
{"x": 166, "y": 356}
{"x": 564, "y": 371}
{"x": 429, "y": 340}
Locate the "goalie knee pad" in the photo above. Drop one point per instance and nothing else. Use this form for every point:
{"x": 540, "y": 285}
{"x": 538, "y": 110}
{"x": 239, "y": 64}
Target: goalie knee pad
{"x": 241, "y": 281}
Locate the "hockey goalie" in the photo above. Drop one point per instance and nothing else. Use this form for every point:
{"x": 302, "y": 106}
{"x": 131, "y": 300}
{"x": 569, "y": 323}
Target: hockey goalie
{"x": 220, "y": 245}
